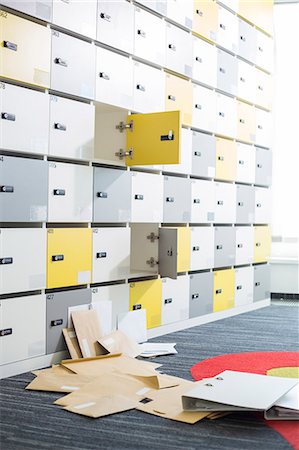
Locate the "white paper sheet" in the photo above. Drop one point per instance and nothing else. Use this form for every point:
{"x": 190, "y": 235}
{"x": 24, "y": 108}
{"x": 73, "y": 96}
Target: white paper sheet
{"x": 133, "y": 324}
{"x": 104, "y": 311}
{"x": 151, "y": 349}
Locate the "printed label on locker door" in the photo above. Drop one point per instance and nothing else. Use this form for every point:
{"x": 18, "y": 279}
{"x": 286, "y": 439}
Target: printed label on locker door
{"x": 38, "y": 213}
{"x": 84, "y": 277}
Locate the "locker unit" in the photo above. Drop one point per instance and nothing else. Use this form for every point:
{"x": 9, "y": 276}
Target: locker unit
{"x": 243, "y": 286}
{"x": 178, "y": 93}
{"x": 226, "y": 116}
{"x": 205, "y": 19}
{"x": 262, "y": 212}
{"x": 246, "y": 81}
{"x": 71, "y": 128}
{"x": 178, "y": 53}
{"x": 149, "y": 33}
{"x": 72, "y": 65}
{"x": 22, "y": 334}
{"x": 204, "y": 108}
{"x": 244, "y": 245}
{"x": 202, "y": 248}
{"x": 111, "y": 195}
{"x": 68, "y": 257}
{"x": 263, "y": 166}
{"x": 23, "y": 190}
{"x": 186, "y": 155}
{"x": 203, "y": 155}
{"x": 263, "y": 86}
{"x": 70, "y": 193}
{"x": 246, "y": 130}
{"x": 118, "y": 294}
{"x": 245, "y": 163}
{"x": 180, "y": 11}
{"x": 201, "y": 294}
{"x": 25, "y": 50}
{"x": 227, "y": 72}
{"x": 202, "y": 201}
{"x": 57, "y": 313}
{"x": 226, "y": 159}
{"x": 247, "y": 41}
{"x": 204, "y": 62}
{"x": 149, "y": 88}
{"x": 115, "y": 24}
{"x": 176, "y": 204}
{"x": 147, "y": 295}
{"x": 110, "y": 254}
{"x": 263, "y": 128}
{"x": 79, "y": 17}
{"x": 264, "y": 51}
{"x": 262, "y": 243}
{"x": 224, "y": 246}
{"x": 146, "y": 197}
{"x": 23, "y": 129}
{"x": 227, "y": 34}
{"x": 224, "y": 290}
{"x": 261, "y": 285}
{"x": 42, "y": 9}
{"x": 175, "y": 299}
{"x": 114, "y": 79}
{"x": 21, "y": 268}
{"x": 225, "y": 203}
{"x": 245, "y": 206}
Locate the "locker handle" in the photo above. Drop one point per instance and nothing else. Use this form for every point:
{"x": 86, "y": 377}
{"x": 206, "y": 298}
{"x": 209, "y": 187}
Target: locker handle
{"x": 221, "y": 114}
{"x": 170, "y": 199}
{"x": 257, "y": 283}
{"x": 242, "y": 121}
{"x": 240, "y": 245}
{"x": 56, "y": 322}
{"x": 105, "y": 16}
{"x": 167, "y": 301}
{"x": 196, "y": 249}
{"x": 102, "y": 194}
{"x": 196, "y": 200}
{"x": 60, "y": 61}
{"x": 172, "y": 47}
{"x": 239, "y": 287}
{"x": 140, "y": 87}
{"x": 8, "y": 116}
{"x": 241, "y": 162}
{"x": 199, "y": 12}
{"x": 198, "y": 59}
{"x": 259, "y": 166}
{"x": 195, "y": 296}
{"x": 7, "y": 260}
{"x": 222, "y": 26}
{"x": 243, "y": 38}
{"x": 57, "y": 258}
{"x": 101, "y": 255}
{"x": 220, "y": 202}
{"x": 261, "y": 88}
{"x": 258, "y": 244}
{"x": 138, "y": 197}
{"x": 261, "y": 49}
{"x": 59, "y": 126}
{"x": 6, "y": 332}
{"x": 240, "y": 203}
{"x": 221, "y": 70}
{"x": 135, "y": 307}
{"x": 167, "y": 137}
{"x": 10, "y": 45}
{"x": 242, "y": 79}
{"x": 197, "y": 106}
{"x": 220, "y": 158}
{"x": 260, "y": 127}
{"x": 258, "y": 205}
{"x": 171, "y": 97}
{"x": 59, "y": 192}
{"x": 218, "y": 291}
{"x": 141, "y": 33}
{"x": 197, "y": 153}
{"x": 104, "y": 75}
{"x": 7, "y": 189}
{"x": 219, "y": 247}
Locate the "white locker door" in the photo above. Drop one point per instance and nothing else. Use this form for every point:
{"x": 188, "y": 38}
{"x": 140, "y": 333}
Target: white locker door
{"x": 22, "y": 328}
{"x": 22, "y": 259}
{"x": 115, "y": 24}
{"x": 227, "y": 35}
{"x": 149, "y": 37}
{"x": 225, "y": 203}
{"x": 245, "y": 163}
{"x": 246, "y": 81}
{"x": 243, "y": 286}
{"x": 226, "y": 116}
{"x": 244, "y": 245}
{"x": 264, "y": 89}
{"x": 71, "y": 128}
{"x": 202, "y": 201}
{"x": 263, "y": 202}
{"x": 204, "y": 108}
{"x": 149, "y": 89}
{"x": 42, "y": 9}
{"x": 180, "y": 11}
{"x": 204, "y": 62}
{"x": 24, "y": 118}
{"x": 186, "y": 155}
{"x": 147, "y": 197}
{"x": 175, "y": 299}
{"x": 264, "y": 51}
{"x": 77, "y": 16}
{"x": 114, "y": 79}
{"x": 110, "y": 254}
{"x": 178, "y": 50}
{"x": 72, "y": 66}
{"x": 70, "y": 193}
{"x": 159, "y": 6}
{"x": 118, "y": 294}
{"x": 202, "y": 248}
{"x": 263, "y": 136}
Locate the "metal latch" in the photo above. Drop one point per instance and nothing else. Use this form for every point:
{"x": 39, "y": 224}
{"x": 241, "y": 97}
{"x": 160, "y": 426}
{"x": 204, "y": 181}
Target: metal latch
{"x": 152, "y": 237}
{"x": 122, "y": 126}
{"x": 152, "y": 262}
{"x": 122, "y": 153}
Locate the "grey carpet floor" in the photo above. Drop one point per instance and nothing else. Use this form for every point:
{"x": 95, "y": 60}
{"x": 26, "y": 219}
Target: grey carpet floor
{"x": 29, "y": 420}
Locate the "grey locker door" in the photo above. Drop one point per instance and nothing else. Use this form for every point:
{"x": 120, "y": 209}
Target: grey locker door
{"x": 201, "y": 294}
{"x": 57, "y": 305}
{"x": 203, "y": 154}
{"x": 227, "y": 72}
{"x": 23, "y": 189}
{"x": 263, "y": 167}
{"x": 261, "y": 284}
{"x": 111, "y": 195}
{"x": 224, "y": 246}
{"x": 177, "y": 200}
{"x": 168, "y": 250}
{"x": 245, "y": 204}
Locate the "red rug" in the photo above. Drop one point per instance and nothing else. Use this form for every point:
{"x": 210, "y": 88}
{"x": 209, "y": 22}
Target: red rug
{"x": 259, "y": 362}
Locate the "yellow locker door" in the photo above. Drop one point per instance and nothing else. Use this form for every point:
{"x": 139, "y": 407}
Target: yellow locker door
{"x": 246, "y": 122}
{"x": 224, "y": 289}
{"x": 147, "y": 295}
{"x": 205, "y": 19}
{"x": 69, "y": 257}
{"x": 259, "y": 13}
{"x": 179, "y": 97}
{"x": 183, "y": 261}
{"x": 262, "y": 243}
{"x": 154, "y": 138}
{"x": 25, "y": 50}
{"x": 226, "y": 159}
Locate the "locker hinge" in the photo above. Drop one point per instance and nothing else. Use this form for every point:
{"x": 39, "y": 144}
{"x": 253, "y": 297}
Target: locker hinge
{"x": 152, "y": 262}
{"x": 122, "y": 126}
{"x": 152, "y": 237}
{"x": 122, "y": 153}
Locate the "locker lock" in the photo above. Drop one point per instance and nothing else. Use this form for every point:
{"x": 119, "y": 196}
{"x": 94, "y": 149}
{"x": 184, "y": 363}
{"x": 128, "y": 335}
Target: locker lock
{"x": 167, "y": 137}
{"x": 102, "y": 195}
{"x": 59, "y": 192}
{"x": 59, "y": 126}
{"x": 241, "y": 162}
{"x": 220, "y": 158}
{"x": 172, "y": 98}
{"x": 243, "y": 38}
{"x": 257, "y": 283}
{"x": 240, "y": 204}
{"x": 60, "y": 62}
{"x": 141, "y": 33}
{"x": 219, "y": 247}
{"x": 139, "y": 197}
{"x": 222, "y": 26}
{"x": 239, "y": 287}
{"x": 167, "y": 301}
{"x": 140, "y": 87}
{"x": 260, "y": 127}
{"x": 122, "y": 154}
{"x": 198, "y": 59}
{"x": 170, "y": 199}
{"x": 196, "y": 200}
{"x": 197, "y": 153}
{"x": 196, "y": 248}
{"x": 172, "y": 47}
{"x": 218, "y": 291}
{"x": 56, "y": 322}
{"x": 152, "y": 262}
{"x": 242, "y": 79}
{"x": 104, "y": 75}
{"x": 8, "y": 116}
{"x": 242, "y": 121}
{"x": 194, "y": 296}
{"x": 101, "y": 255}
{"x": 221, "y": 70}
{"x": 57, "y": 258}
{"x": 198, "y": 106}
{"x": 7, "y": 189}
{"x": 258, "y": 205}
{"x": 105, "y": 16}
{"x": 10, "y": 45}
{"x": 221, "y": 114}
{"x": 136, "y": 307}
{"x": 258, "y": 244}
{"x": 261, "y": 88}
{"x": 122, "y": 126}
{"x": 220, "y": 202}
{"x": 6, "y": 332}
{"x": 261, "y": 49}
{"x": 199, "y": 12}
{"x": 240, "y": 245}
{"x": 4, "y": 261}
{"x": 152, "y": 237}
{"x": 259, "y": 166}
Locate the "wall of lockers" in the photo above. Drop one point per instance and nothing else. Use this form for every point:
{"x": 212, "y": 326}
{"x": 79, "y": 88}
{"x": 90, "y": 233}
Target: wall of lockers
{"x": 90, "y": 197}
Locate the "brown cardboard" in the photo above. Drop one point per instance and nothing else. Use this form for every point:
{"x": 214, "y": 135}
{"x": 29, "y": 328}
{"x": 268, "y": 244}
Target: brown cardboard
{"x": 56, "y": 382}
{"x": 119, "y": 342}
{"x": 56, "y": 368}
{"x": 102, "y": 406}
{"x": 88, "y": 331}
{"x": 159, "y": 381}
{"x": 72, "y": 343}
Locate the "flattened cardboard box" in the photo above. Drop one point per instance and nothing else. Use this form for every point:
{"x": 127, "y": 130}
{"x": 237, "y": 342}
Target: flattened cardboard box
{"x": 88, "y": 331}
{"x": 102, "y": 406}
{"x": 119, "y": 342}
{"x": 57, "y": 382}
{"x": 72, "y": 343}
